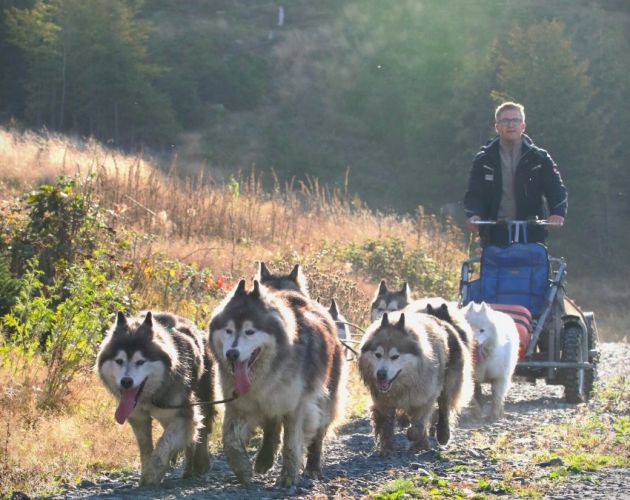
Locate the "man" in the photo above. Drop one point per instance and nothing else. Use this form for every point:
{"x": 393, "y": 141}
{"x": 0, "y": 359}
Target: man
{"x": 508, "y": 180}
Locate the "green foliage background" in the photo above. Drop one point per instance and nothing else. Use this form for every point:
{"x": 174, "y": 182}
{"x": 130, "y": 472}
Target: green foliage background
{"x": 401, "y": 93}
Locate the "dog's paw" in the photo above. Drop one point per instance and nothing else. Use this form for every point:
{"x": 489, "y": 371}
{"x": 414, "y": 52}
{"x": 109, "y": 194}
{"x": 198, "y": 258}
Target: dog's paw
{"x": 240, "y": 464}
{"x": 244, "y": 476}
{"x": 495, "y": 414}
{"x": 384, "y": 448}
{"x": 286, "y": 479}
{"x": 420, "y": 445}
{"x": 201, "y": 462}
{"x": 313, "y": 473}
{"x": 264, "y": 462}
{"x": 416, "y": 434}
{"x": 150, "y": 477}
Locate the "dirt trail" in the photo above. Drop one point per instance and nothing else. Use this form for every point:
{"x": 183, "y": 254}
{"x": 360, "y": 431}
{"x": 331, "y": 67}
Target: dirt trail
{"x": 352, "y": 470}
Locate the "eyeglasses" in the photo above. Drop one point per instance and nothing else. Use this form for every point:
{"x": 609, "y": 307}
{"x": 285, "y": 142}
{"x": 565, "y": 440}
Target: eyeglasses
{"x": 510, "y": 121}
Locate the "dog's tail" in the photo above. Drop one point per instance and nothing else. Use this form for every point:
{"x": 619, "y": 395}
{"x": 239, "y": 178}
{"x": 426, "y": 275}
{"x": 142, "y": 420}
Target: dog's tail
{"x": 337, "y": 387}
{"x": 459, "y": 372}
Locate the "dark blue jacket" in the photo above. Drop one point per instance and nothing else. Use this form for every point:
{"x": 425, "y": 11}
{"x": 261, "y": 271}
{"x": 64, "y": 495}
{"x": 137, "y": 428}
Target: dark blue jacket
{"x": 536, "y": 177}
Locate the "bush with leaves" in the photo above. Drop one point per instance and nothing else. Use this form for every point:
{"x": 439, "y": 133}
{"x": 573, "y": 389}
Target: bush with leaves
{"x": 177, "y": 286}
{"x": 391, "y": 260}
{"x": 9, "y": 287}
{"x": 59, "y": 326}
{"x": 63, "y": 223}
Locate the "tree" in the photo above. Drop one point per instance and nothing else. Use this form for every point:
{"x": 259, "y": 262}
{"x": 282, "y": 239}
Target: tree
{"x": 539, "y": 68}
{"x": 89, "y": 71}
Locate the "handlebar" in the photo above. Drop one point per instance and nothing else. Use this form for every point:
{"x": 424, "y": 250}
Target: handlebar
{"x": 533, "y": 222}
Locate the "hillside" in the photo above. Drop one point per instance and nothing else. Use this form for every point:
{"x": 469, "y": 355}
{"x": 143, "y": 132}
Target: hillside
{"x": 388, "y": 103}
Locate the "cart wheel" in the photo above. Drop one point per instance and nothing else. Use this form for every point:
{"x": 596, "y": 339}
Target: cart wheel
{"x": 593, "y": 339}
{"x": 576, "y": 381}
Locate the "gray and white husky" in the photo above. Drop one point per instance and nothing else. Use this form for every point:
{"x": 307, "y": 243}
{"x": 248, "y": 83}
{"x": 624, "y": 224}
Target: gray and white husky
{"x": 386, "y": 300}
{"x": 410, "y": 362}
{"x": 295, "y": 280}
{"x": 343, "y": 332}
{"x": 157, "y": 366}
{"x": 279, "y": 352}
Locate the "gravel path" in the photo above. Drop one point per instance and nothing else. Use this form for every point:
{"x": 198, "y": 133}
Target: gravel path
{"x": 352, "y": 470}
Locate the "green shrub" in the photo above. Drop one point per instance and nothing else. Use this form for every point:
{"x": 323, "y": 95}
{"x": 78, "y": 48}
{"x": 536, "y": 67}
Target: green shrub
{"x": 61, "y": 324}
{"x": 63, "y": 224}
{"x": 9, "y": 287}
{"x": 391, "y": 260}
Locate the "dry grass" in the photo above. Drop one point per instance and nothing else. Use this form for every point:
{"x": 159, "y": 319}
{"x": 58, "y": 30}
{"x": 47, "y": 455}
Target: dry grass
{"x": 224, "y": 227}
{"x": 40, "y": 451}
{"x": 250, "y": 211}
{"x": 27, "y": 159}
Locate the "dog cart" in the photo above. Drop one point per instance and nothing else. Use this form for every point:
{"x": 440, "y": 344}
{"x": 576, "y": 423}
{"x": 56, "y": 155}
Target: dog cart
{"x": 558, "y": 339}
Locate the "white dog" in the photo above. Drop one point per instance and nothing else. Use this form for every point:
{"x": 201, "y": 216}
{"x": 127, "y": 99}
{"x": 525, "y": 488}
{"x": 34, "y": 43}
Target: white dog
{"x": 495, "y": 353}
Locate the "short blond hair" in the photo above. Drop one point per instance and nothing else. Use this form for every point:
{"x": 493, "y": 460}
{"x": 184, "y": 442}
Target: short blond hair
{"x": 509, "y": 105}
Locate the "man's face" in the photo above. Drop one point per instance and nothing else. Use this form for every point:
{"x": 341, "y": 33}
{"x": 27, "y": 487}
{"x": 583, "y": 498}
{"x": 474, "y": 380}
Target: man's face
{"x": 510, "y": 125}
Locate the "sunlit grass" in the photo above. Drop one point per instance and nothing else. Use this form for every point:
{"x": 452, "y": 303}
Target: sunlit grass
{"x": 39, "y": 451}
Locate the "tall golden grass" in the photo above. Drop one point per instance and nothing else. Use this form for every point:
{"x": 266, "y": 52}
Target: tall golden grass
{"x": 224, "y": 226}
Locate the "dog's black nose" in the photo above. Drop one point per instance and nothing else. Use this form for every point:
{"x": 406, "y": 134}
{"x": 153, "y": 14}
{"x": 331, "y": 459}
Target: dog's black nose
{"x": 232, "y": 355}
{"x": 381, "y": 374}
{"x": 126, "y": 382}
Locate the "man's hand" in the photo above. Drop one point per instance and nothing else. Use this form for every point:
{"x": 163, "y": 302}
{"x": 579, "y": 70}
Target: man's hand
{"x": 556, "y": 221}
{"x": 469, "y": 223}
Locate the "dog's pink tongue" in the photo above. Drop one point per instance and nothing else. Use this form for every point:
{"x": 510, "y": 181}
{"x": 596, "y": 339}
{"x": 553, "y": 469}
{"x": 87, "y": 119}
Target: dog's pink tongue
{"x": 126, "y": 405}
{"x": 241, "y": 378}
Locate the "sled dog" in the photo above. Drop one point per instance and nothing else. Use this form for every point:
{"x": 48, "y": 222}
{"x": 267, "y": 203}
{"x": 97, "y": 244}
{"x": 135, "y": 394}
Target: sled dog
{"x": 343, "y": 332}
{"x": 279, "y": 352}
{"x": 496, "y": 352}
{"x": 385, "y": 300}
{"x": 449, "y": 312}
{"x": 295, "y": 280}
{"x": 156, "y": 366}
{"x": 410, "y": 362}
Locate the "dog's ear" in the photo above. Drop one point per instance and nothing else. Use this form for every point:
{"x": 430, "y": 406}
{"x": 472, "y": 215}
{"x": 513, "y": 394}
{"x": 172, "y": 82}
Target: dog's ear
{"x": 255, "y": 293}
{"x": 382, "y": 288}
{"x": 148, "y": 320}
{"x": 121, "y": 319}
{"x": 430, "y": 310}
{"x": 263, "y": 272}
{"x": 385, "y": 319}
{"x": 148, "y": 324}
{"x": 406, "y": 291}
{"x": 444, "y": 311}
{"x": 121, "y": 322}
{"x": 334, "y": 312}
{"x": 295, "y": 272}
{"x": 240, "y": 289}
{"x": 401, "y": 322}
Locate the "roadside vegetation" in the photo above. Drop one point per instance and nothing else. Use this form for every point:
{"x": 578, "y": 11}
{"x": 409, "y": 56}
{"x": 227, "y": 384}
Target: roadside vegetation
{"x": 85, "y": 232}
{"x": 114, "y": 233}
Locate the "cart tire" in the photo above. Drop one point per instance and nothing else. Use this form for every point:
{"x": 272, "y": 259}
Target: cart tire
{"x": 576, "y": 382}
{"x": 593, "y": 340}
